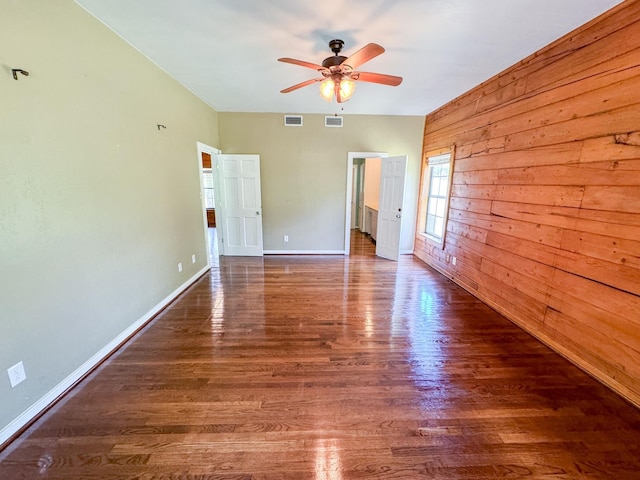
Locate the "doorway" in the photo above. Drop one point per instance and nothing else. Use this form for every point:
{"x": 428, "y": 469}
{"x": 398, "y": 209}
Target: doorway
{"x": 353, "y": 159}
{"x": 208, "y": 182}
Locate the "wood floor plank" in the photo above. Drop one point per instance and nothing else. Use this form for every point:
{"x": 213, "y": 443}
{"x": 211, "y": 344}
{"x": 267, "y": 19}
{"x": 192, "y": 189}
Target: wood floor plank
{"x": 331, "y": 367}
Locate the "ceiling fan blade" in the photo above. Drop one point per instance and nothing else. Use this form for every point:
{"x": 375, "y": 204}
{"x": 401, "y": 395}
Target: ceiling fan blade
{"x": 366, "y": 53}
{"x": 302, "y": 63}
{"x": 302, "y": 84}
{"x": 390, "y": 80}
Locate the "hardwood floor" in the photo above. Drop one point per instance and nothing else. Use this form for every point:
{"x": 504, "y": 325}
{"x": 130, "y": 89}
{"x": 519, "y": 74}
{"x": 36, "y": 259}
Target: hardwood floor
{"x": 331, "y": 367}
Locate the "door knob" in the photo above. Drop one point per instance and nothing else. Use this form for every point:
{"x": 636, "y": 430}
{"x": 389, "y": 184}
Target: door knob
{"x": 398, "y": 215}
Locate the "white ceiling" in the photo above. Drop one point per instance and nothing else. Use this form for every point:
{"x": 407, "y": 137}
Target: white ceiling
{"x": 226, "y": 51}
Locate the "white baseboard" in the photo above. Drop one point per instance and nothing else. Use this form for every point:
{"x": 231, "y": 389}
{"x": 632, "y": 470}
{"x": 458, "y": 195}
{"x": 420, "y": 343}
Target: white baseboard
{"x": 304, "y": 252}
{"x": 318, "y": 252}
{"x": 44, "y": 402}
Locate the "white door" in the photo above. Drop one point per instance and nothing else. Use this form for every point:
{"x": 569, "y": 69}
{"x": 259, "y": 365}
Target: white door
{"x": 240, "y": 203}
{"x": 392, "y": 176}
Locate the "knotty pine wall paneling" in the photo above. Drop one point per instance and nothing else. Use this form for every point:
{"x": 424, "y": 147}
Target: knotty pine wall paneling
{"x": 544, "y": 216}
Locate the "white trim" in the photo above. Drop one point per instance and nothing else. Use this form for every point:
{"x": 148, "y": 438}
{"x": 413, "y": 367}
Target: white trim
{"x": 432, "y": 161}
{"x": 49, "y": 398}
{"x": 351, "y": 156}
{"x": 439, "y": 159}
{"x": 304, "y": 252}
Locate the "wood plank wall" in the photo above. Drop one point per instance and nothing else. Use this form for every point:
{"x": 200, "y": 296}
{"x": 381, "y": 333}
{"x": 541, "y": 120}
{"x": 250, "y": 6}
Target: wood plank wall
{"x": 544, "y": 218}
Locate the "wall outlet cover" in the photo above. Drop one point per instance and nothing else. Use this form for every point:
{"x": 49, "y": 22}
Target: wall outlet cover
{"x": 16, "y": 374}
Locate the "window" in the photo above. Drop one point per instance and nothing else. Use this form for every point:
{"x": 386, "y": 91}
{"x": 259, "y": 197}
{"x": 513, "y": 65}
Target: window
{"x": 438, "y": 173}
{"x": 207, "y": 182}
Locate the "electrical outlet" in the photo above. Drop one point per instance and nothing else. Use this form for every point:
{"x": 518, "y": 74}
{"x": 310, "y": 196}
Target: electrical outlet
{"x": 193, "y": 258}
{"x": 16, "y": 374}
{"x": 179, "y": 267}
{"x": 286, "y": 238}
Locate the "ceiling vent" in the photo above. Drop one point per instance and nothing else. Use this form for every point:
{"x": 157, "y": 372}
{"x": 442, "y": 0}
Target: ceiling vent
{"x": 293, "y": 120}
{"x": 333, "y": 121}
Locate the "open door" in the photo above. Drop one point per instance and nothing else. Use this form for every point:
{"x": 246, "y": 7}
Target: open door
{"x": 392, "y": 178}
{"x": 240, "y": 205}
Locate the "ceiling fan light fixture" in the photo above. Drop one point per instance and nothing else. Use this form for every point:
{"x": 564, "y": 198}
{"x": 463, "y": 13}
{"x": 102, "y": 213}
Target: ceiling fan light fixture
{"x": 339, "y": 73}
{"x": 327, "y": 89}
{"x": 342, "y": 88}
{"x": 345, "y": 90}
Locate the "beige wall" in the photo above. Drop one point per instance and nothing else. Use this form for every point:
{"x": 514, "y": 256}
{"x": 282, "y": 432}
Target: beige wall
{"x": 304, "y": 171}
{"x": 544, "y": 218}
{"x": 97, "y": 206}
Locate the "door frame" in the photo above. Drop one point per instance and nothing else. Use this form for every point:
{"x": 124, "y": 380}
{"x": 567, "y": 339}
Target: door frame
{"x": 204, "y": 148}
{"x": 351, "y": 156}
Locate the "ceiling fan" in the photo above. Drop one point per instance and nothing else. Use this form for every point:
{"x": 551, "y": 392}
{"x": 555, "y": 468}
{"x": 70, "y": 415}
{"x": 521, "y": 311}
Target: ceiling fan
{"x": 339, "y": 72}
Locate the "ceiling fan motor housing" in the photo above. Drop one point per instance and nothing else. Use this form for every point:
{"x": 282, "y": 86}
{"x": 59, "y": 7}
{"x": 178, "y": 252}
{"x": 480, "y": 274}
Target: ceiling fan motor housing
{"x": 336, "y": 46}
{"x": 333, "y": 61}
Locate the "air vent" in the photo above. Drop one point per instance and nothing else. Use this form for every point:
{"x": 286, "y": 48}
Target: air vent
{"x": 293, "y": 120}
{"x": 333, "y": 121}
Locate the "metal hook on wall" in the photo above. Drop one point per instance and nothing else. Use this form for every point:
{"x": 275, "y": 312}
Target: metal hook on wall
{"x": 15, "y": 72}
{"x": 161, "y": 126}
